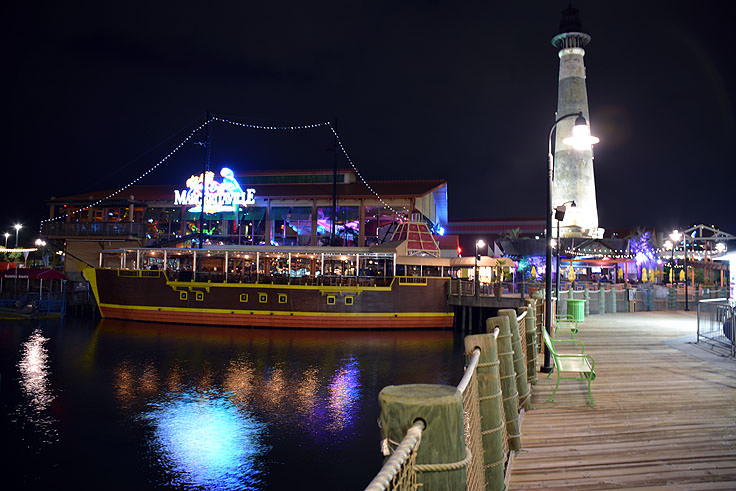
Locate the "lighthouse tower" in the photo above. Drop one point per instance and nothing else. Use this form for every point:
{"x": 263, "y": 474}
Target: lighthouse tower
{"x": 573, "y": 168}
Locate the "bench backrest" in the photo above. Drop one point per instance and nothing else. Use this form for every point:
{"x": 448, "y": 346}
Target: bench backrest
{"x": 548, "y": 343}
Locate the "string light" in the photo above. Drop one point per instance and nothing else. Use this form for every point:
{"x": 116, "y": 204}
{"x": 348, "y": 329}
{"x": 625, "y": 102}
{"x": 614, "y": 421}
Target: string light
{"x": 169, "y": 155}
{"x": 235, "y": 123}
{"x": 352, "y": 164}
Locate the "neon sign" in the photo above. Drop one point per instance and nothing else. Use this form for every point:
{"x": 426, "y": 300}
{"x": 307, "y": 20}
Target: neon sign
{"x": 219, "y": 196}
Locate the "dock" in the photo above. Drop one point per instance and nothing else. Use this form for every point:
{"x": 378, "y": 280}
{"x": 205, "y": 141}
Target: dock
{"x": 664, "y": 413}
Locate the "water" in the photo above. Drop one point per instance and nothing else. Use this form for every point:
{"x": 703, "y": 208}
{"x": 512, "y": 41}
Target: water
{"x": 123, "y": 405}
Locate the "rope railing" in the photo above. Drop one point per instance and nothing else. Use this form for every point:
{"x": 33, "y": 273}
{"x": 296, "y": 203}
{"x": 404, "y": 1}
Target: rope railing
{"x": 468, "y": 386}
{"x": 398, "y": 471}
{"x": 469, "y": 370}
{"x": 445, "y": 458}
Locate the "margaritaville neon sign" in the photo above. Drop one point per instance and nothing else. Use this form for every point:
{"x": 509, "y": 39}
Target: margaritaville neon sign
{"x": 218, "y": 197}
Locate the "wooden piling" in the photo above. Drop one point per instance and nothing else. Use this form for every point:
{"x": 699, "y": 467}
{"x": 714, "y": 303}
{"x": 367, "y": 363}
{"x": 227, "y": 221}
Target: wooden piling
{"x": 491, "y": 408}
{"x": 522, "y": 385}
{"x": 508, "y": 379}
{"x": 613, "y": 300}
{"x": 530, "y": 331}
{"x": 441, "y": 460}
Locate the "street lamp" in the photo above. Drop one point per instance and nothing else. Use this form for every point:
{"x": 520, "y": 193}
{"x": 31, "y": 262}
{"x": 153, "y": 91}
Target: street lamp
{"x": 580, "y": 140}
{"x": 559, "y": 216}
{"x": 17, "y": 227}
{"x": 670, "y": 247}
{"x": 39, "y": 244}
{"x": 6, "y": 239}
{"x": 478, "y": 244}
{"x": 675, "y": 236}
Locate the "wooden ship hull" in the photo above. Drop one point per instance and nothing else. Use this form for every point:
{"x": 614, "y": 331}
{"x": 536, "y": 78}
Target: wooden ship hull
{"x": 151, "y": 296}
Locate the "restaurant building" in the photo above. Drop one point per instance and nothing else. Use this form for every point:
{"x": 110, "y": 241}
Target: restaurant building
{"x": 290, "y": 208}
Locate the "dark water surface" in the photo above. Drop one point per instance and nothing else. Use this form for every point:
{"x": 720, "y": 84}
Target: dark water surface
{"x": 125, "y": 405}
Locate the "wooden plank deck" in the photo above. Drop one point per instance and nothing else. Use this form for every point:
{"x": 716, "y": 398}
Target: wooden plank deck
{"x": 663, "y": 418}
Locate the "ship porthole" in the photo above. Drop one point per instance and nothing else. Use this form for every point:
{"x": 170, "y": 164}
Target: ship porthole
{"x": 330, "y": 299}
{"x": 349, "y": 300}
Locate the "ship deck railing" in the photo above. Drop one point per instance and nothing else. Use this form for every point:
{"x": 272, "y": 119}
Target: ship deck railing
{"x": 277, "y": 279}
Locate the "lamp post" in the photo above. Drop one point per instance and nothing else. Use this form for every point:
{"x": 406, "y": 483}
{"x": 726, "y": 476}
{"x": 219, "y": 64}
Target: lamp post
{"x": 579, "y": 140}
{"x": 17, "y": 227}
{"x": 559, "y": 216}
{"x": 478, "y": 243}
{"x": 6, "y": 239}
{"x": 675, "y": 236}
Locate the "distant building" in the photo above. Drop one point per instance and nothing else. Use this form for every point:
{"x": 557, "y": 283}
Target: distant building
{"x": 493, "y": 230}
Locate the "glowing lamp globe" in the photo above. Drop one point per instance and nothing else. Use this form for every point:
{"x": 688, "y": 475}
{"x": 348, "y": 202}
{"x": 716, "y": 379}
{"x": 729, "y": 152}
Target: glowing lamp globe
{"x": 581, "y": 138}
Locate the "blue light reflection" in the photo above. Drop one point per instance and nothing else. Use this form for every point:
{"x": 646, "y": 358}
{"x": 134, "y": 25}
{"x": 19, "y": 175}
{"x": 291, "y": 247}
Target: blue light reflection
{"x": 344, "y": 394}
{"x": 204, "y": 440}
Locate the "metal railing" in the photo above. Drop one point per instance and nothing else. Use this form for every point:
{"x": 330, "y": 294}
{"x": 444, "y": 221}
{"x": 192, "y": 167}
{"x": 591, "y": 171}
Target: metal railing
{"x": 83, "y": 229}
{"x": 636, "y": 298}
{"x": 466, "y": 288}
{"x": 716, "y": 324}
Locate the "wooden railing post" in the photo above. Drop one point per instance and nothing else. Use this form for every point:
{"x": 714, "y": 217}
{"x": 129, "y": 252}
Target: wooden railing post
{"x": 613, "y": 300}
{"x": 530, "y": 330}
{"x": 508, "y": 379}
{"x": 491, "y": 408}
{"x": 522, "y": 385}
{"x": 441, "y": 460}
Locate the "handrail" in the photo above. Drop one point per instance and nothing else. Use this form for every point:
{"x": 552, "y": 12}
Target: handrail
{"x": 469, "y": 371}
{"x": 398, "y": 458}
{"x": 520, "y": 318}
{"x": 709, "y": 300}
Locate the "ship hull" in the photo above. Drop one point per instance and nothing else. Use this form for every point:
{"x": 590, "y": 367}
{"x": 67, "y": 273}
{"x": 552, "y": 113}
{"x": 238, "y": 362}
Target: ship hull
{"x": 150, "y": 296}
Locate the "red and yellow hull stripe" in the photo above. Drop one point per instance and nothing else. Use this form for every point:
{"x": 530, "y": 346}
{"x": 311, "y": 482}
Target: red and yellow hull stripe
{"x": 264, "y": 318}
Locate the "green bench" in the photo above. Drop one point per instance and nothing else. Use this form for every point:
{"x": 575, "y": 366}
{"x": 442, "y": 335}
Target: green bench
{"x": 567, "y": 322}
{"x": 579, "y": 363}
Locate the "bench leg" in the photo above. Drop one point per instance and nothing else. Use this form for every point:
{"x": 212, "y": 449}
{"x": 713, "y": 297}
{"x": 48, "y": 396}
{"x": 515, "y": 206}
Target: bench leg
{"x": 556, "y": 387}
{"x": 590, "y": 394}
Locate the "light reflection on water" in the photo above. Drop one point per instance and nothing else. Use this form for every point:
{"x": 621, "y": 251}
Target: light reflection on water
{"x": 344, "y": 394}
{"x": 204, "y": 440}
{"x": 152, "y": 406}
{"x": 35, "y": 386}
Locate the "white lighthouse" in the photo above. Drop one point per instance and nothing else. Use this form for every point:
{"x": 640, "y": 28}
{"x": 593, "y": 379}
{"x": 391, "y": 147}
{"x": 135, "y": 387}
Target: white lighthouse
{"x": 574, "y": 179}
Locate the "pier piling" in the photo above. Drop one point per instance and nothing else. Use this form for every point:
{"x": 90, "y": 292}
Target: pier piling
{"x": 441, "y": 458}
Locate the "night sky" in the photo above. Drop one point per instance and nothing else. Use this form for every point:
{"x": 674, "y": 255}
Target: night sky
{"x": 96, "y": 94}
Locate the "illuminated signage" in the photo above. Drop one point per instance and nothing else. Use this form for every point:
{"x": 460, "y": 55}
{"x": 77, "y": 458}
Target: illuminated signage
{"x": 219, "y": 196}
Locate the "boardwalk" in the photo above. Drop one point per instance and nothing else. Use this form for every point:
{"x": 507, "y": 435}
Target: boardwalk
{"x": 663, "y": 418}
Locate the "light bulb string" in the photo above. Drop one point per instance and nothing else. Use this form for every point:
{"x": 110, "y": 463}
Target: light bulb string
{"x": 134, "y": 181}
{"x": 193, "y": 133}
{"x": 355, "y": 168}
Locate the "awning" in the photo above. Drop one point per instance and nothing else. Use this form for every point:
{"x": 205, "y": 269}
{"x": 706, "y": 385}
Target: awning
{"x": 34, "y": 273}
